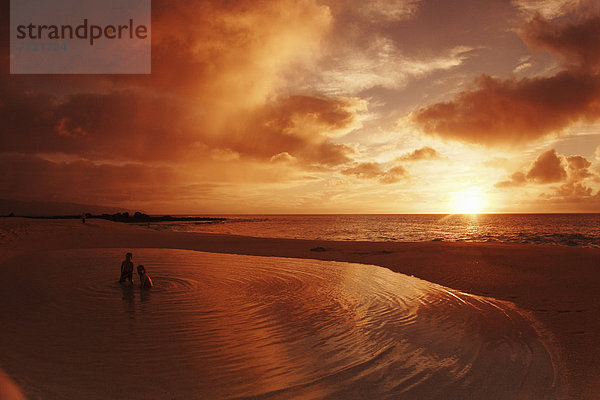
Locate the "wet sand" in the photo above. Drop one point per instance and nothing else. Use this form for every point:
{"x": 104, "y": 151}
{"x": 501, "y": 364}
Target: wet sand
{"x": 558, "y": 285}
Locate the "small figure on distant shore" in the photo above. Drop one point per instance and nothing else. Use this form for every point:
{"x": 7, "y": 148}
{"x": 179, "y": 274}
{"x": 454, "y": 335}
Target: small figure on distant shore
{"x": 145, "y": 281}
{"x": 127, "y": 269}
{"x": 83, "y": 218}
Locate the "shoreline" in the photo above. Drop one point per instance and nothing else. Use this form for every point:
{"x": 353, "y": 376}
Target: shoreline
{"x": 557, "y": 285}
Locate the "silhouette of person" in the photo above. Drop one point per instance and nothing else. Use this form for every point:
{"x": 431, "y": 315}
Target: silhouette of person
{"x": 145, "y": 281}
{"x": 127, "y": 269}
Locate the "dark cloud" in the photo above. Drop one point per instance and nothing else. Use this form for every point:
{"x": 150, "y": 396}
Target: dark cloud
{"x": 119, "y": 125}
{"x": 424, "y": 153}
{"x": 213, "y": 97}
{"x": 516, "y": 179}
{"x": 578, "y": 43}
{"x": 372, "y": 170}
{"x": 33, "y": 178}
{"x": 366, "y": 170}
{"x": 511, "y": 111}
{"x": 550, "y": 167}
{"x": 129, "y": 125}
{"x": 578, "y": 167}
{"x": 393, "y": 175}
{"x": 298, "y": 125}
{"x": 573, "y": 190}
{"x": 547, "y": 168}
{"x": 575, "y": 195}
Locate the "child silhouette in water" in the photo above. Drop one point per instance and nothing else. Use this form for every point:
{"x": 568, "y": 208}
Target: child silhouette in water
{"x": 127, "y": 269}
{"x": 145, "y": 281}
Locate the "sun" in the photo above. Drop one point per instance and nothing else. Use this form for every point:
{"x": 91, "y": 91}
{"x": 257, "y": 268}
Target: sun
{"x": 470, "y": 201}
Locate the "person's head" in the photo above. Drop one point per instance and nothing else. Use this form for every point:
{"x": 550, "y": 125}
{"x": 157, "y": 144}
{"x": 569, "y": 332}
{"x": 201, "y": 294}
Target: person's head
{"x": 141, "y": 269}
{"x": 128, "y": 256}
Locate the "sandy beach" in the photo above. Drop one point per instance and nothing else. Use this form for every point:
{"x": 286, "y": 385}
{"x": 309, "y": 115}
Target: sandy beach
{"x": 557, "y": 285}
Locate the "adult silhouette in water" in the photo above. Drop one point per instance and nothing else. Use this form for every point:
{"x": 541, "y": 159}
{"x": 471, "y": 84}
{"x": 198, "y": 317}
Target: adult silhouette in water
{"x": 145, "y": 281}
{"x": 127, "y": 269}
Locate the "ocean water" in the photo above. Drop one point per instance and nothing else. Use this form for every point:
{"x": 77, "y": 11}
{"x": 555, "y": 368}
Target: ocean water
{"x": 554, "y": 229}
{"x": 221, "y": 326}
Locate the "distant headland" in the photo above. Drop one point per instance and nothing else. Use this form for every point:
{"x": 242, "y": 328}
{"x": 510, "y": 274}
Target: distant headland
{"x": 62, "y": 210}
{"x": 137, "y": 217}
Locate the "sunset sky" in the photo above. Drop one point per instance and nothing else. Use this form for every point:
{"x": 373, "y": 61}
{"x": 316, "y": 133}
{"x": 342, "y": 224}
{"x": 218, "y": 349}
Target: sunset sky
{"x": 405, "y": 106}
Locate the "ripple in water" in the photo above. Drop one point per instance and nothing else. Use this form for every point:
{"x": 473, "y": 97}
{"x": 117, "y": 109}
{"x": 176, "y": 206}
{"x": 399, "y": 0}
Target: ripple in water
{"x": 229, "y": 326}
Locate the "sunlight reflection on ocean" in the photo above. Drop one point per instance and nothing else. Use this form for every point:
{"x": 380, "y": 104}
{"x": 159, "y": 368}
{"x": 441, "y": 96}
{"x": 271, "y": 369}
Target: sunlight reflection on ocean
{"x": 229, "y": 326}
{"x": 555, "y": 229}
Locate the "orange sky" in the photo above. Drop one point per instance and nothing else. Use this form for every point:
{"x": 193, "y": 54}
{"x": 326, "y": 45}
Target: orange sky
{"x": 400, "y": 106}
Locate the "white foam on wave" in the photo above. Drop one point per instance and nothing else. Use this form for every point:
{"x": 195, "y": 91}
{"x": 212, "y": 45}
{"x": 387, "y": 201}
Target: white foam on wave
{"x": 230, "y": 326}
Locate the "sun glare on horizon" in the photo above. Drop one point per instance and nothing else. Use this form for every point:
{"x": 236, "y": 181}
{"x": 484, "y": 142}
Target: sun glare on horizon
{"x": 470, "y": 201}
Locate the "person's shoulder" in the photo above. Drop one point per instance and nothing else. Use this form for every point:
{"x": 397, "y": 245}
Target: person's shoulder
{"x": 148, "y": 281}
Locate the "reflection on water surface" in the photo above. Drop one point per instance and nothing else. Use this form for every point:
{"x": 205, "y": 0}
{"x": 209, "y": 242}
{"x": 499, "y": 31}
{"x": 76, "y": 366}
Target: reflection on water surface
{"x": 229, "y": 326}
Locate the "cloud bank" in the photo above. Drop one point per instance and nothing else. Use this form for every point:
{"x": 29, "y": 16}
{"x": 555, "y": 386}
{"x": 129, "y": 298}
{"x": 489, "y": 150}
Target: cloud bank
{"x": 569, "y": 172}
{"x": 514, "y": 111}
{"x": 372, "y": 170}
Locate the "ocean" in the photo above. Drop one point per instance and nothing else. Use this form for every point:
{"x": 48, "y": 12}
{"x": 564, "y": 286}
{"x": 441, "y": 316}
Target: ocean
{"x": 545, "y": 229}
